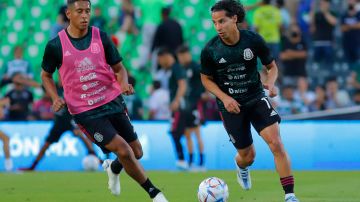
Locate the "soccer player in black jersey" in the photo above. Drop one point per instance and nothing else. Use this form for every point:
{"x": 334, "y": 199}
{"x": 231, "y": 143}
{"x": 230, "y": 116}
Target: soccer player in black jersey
{"x": 228, "y": 70}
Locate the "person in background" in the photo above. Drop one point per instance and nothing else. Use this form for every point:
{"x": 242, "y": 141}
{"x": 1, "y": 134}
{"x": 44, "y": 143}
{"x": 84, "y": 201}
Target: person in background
{"x": 194, "y": 111}
{"x": 158, "y": 103}
{"x": 98, "y": 20}
{"x": 8, "y": 164}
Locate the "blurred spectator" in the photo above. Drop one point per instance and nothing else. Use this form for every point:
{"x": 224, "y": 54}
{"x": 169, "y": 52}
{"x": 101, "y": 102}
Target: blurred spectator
{"x": 17, "y": 65}
{"x": 150, "y": 22}
{"x": 288, "y": 104}
{"x": 302, "y": 93}
{"x": 134, "y": 103}
{"x": 42, "y": 109}
{"x": 250, "y": 7}
{"x": 320, "y": 100}
{"x": 267, "y": 21}
{"x": 168, "y": 34}
{"x": 336, "y": 98}
{"x": 322, "y": 27}
{"x": 356, "y": 98}
{"x": 350, "y": 27}
{"x": 285, "y": 15}
{"x": 127, "y": 18}
{"x": 293, "y": 56}
{"x": 98, "y": 19}
{"x": 303, "y": 19}
{"x": 159, "y": 102}
{"x": 57, "y": 27}
{"x": 20, "y": 101}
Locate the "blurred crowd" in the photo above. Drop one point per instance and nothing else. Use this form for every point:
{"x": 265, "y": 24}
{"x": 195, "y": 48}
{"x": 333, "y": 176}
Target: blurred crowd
{"x": 316, "y": 44}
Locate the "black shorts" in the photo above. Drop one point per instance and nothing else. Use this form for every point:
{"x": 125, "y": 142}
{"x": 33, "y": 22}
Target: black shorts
{"x": 103, "y": 129}
{"x": 238, "y": 126}
{"x": 60, "y": 126}
{"x": 184, "y": 119}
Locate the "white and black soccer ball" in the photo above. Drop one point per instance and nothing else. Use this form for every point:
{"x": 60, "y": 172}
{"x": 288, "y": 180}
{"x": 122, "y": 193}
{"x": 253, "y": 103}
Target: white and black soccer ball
{"x": 90, "y": 163}
{"x": 213, "y": 189}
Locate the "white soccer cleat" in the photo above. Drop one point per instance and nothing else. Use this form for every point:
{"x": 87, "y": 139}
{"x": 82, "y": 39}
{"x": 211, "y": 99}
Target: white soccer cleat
{"x": 291, "y": 198}
{"x": 182, "y": 165}
{"x": 114, "y": 180}
{"x": 243, "y": 177}
{"x": 8, "y": 165}
{"x": 160, "y": 198}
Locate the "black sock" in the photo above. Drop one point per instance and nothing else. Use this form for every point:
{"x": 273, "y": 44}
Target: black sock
{"x": 190, "y": 159}
{"x": 150, "y": 188}
{"x": 288, "y": 184}
{"x": 91, "y": 152}
{"x": 179, "y": 148}
{"x": 34, "y": 164}
{"x": 116, "y": 166}
{"x": 201, "y": 160}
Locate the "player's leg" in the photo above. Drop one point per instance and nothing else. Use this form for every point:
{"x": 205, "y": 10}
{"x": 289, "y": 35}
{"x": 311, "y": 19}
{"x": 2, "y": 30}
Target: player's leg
{"x": 102, "y": 132}
{"x": 6, "y": 147}
{"x": 282, "y": 162}
{"x": 189, "y": 144}
{"x": 88, "y": 144}
{"x": 266, "y": 121}
{"x": 177, "y": 131}
{"x": 200, "y": 145}
{"x": 238, "y": 129}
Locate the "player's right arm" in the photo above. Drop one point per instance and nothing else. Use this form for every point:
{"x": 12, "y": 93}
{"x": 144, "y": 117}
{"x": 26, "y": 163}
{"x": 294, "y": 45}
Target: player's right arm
{"x": 51, "y": 60}
{"x": 207, "y": 80}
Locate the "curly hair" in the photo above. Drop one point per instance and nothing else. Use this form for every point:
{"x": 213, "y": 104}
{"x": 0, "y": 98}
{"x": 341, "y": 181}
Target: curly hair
{"x": 231, "y": 7}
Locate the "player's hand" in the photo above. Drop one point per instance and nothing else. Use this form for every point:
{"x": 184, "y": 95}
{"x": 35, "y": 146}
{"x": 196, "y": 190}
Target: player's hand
{"x": 174, "y": 106}
{"x": 272, "y": 89}
{"x": 127, "y": 89}
{"x": 58, "y": 104}
{"x": 231, "y": 105}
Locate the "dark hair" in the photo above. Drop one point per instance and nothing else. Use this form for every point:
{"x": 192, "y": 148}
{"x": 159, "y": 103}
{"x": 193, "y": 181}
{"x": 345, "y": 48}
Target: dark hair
{"x": 331, "y": 79}
{"x": 183, "y": 49}
{"x": 231, "y": 7}
{"x": 266, "y": 1}
{"x": 165, "y": 11}
{"x": 163, "y": 50}
{"x": 69, "y": 2}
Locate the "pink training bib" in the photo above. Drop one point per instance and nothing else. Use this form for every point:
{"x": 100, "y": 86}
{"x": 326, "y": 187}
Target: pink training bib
{"x": 88, "y": 80}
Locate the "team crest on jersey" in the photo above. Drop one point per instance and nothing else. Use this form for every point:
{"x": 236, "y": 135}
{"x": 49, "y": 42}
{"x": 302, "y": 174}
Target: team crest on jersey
{"x": 98, "y": 137}
{"x": 248, "y": 54}
{"x": 95, "y": 48}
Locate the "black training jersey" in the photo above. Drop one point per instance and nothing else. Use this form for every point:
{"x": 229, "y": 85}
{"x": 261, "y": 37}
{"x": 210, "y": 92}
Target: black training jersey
{"x": 234, "y": 67}
{"x": 195, "y": 88}
{"x": 177, "y": 73}
{"x": 53, "y": 57}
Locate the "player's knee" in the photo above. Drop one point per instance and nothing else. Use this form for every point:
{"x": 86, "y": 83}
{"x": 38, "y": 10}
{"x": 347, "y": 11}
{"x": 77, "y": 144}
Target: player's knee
{"x": 249, "y": 158}
{"x": 276, "y": 147}
{"x": 124, "y": 153}
{"x": 138, "y": 153}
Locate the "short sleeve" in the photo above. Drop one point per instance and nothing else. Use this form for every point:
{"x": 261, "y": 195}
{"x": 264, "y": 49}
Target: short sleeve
{"x": 262, "y": 50}
{"x": 111, "y": 53}
{"x": 179, "y": 73}
{"x": 51, "y": 60}
{"x": 207, "y": 63}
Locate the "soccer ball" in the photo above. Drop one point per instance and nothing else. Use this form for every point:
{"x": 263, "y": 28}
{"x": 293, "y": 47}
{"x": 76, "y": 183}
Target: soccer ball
{"x": 213, "y": 189}
{"x": 90, "y": 163}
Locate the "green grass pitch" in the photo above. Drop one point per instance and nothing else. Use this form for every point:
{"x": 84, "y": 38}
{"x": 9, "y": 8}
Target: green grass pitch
{"x": 319, "y": 186}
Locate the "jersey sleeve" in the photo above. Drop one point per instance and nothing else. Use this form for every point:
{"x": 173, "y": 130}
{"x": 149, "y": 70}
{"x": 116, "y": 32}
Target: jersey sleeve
{"x": 262, "y": 50}
{"x": 111, "y": 53}
{"x": 52, "y": 59}
{"x": 207, "y": 63}
{"x": 179, "y": 73}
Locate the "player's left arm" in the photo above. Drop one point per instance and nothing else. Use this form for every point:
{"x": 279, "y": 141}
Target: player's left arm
{"x": 122, "y": 78}
{"x": 270, "y": 78}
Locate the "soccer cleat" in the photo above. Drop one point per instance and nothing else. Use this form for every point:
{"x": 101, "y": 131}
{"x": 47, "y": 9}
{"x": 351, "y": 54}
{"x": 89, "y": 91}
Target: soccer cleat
{"x": 26, "y": 169}
{"x": 160, "y": 198}
{"x": 291, "y": 198}
{"x": 8, "y": 165}
{"x": 182, "y": 165}
{"x": 114, "y": 180}
{"x": 243, "y": 177}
